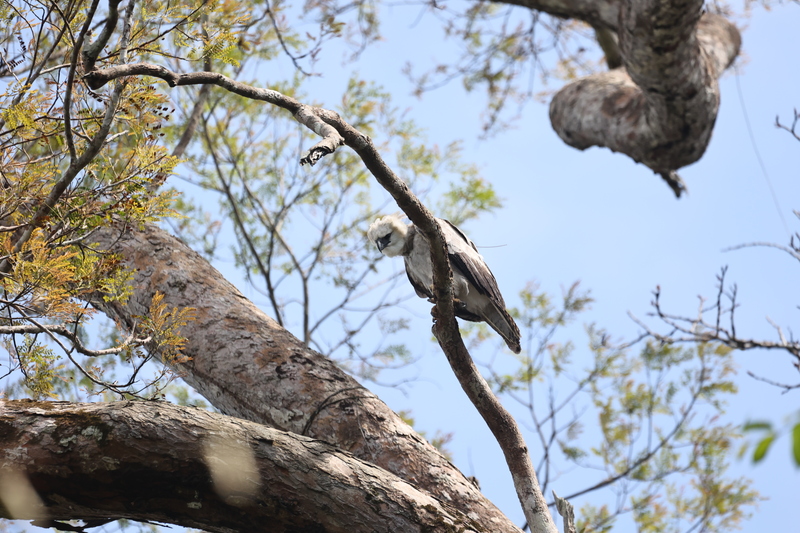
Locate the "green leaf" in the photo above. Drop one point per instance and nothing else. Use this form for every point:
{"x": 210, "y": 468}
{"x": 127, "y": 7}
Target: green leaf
{"x": 796, "y": 444}
{"x": 757, "y": 426}
{"x": 762, "y": 447}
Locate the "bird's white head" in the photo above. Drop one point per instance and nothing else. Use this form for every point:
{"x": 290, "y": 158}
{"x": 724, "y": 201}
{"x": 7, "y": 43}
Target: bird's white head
{"x": 389, "y": 234}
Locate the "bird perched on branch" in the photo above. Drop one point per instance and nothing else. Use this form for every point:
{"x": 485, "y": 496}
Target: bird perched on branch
{"x": 475, "y": 289}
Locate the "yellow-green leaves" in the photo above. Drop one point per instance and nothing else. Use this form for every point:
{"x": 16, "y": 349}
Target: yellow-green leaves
{"x": 646, "y": 414}
{"x": 38, "y": 364}
{"x": 50, "y": 207}
{"x": 164, "y": 325}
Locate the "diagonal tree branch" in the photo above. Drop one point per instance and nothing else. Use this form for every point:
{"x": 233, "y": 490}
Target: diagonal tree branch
{"x": 335, "y": 131}
{"x": 100, "y": 77}
{"x": 248, "y": 366}
{"x": 445, "y": 328}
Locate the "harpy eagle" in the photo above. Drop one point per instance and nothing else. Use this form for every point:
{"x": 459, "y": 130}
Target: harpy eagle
{"x": 474, "y": 286}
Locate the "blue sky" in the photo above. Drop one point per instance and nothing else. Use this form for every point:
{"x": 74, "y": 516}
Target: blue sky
{"x": 600, "y": 218}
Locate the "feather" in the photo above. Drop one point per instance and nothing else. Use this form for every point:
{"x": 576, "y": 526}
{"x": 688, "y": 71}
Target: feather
{"x": 474, "y": 286}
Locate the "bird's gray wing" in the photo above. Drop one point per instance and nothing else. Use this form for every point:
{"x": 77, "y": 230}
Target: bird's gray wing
{"x": 422, "y": 290}
{"x": 465, "y": 257}
{"x": 417, "y": 263}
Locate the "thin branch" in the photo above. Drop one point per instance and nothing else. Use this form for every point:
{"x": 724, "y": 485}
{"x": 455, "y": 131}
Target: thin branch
{"x": 64, "y": 331}
{"x": 698, "y": 330}
{"x": 784, "y": 386}
{"x": 791, "y": 129}
{"x": 71, "y": 80}
{"x": 100, "y": 77}
{"x": 91, "y": 51}
{"x": 791, "y": 250}
{"x": 282, "y": 42}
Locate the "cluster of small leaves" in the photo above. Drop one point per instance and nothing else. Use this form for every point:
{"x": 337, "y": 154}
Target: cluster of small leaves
{"x": 208, "y": 30}
{"x": 645, "y": 415}
{"x": 52, "y": 202}
{"x": 164, "y": 326}
{"x": 39, "y": 365}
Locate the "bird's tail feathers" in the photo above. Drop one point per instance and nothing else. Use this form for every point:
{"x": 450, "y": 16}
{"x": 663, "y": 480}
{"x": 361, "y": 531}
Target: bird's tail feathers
{"x": 500, "y": 321}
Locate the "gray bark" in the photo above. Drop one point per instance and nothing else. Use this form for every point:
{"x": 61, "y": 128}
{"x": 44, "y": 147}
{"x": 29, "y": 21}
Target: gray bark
{"x": 596, "y": 13}
{"x": 156, "y": 461}
{"x": 661, "y": 107}
{"x": 249, "y": 367}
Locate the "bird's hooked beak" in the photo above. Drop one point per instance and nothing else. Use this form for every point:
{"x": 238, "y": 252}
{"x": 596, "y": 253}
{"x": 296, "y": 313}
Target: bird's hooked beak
{"x": 383, "y": 242}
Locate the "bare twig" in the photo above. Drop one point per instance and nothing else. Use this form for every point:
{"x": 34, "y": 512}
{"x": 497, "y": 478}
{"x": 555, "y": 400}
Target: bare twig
{"x": 698, "y": 329}
{"x": 786, "y": 388}
{"x": 60, "y": 329}
{"x": 282, "y": 41}
{"x": 792, "y": 249}
{"x": 791, "y": 129}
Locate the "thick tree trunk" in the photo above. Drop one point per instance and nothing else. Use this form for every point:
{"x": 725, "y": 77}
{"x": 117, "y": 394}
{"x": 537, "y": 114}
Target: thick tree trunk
{"x": 659, "y": 108}
{"x": 247, "y": 366}
{"x": 160, "y": 462}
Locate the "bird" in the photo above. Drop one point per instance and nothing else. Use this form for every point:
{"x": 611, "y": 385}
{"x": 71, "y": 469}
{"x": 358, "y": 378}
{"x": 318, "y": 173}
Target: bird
{"x": 477, "y": 297}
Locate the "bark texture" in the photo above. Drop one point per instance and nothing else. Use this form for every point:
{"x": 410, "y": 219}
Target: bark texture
{"x": 160, "y": 462}
{"x": 248, "y": 366}
{"x": 660, "y": 107}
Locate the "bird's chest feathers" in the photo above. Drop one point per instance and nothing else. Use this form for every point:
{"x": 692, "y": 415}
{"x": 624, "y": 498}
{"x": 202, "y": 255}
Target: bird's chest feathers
{"x": 419, "y": 265}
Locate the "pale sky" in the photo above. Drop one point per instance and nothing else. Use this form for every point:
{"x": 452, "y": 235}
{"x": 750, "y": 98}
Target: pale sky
{"x": 598, "y": 217}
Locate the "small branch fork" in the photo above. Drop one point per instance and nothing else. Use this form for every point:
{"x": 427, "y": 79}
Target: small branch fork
{"x": 793, "y": 128}
{"x": 78, "y": 162}
{"x": 699, "y": 329}
{"x": 336, "y": 132}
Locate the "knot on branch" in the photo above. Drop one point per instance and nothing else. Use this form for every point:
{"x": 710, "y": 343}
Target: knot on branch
{"x": 315, "y": 153}
{"x": 661, "y": 108}
{"x": 331, "y": 138}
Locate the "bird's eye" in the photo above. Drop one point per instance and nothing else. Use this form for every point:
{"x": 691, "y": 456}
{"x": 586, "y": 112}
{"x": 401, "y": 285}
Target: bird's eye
{"x": 383, "y": 242}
